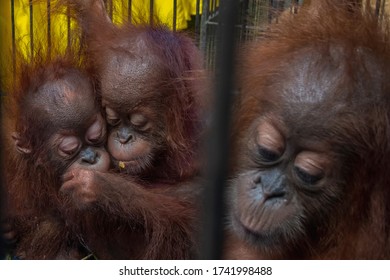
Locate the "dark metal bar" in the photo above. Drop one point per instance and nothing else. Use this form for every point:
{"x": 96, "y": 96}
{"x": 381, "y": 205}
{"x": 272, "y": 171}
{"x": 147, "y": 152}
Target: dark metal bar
{"x": 295, "y": 6}
{"x": 31, "y": 27}
{"x": 244, "y": 16}
{"x": 275, "y": 8}
{"x": 377, "y": 7}
{"x": 68, "y": 27}
{"x": 174, "y": 15}
{"x": 129, "y": 5}
{"x": 270, "y": 10}
{"x": 13, "y": 38}
{"x": 48, "y": 28}
{"x": 110, "y": 9}
{"x": 151, "y": 11}
{"x": 203, "y": 27}
{"x": 218, "y": 138}
{"x": 197, "y": 17}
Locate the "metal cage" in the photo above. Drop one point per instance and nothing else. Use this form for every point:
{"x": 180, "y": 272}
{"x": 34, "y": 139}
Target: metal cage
{"x": 218, "y": 26}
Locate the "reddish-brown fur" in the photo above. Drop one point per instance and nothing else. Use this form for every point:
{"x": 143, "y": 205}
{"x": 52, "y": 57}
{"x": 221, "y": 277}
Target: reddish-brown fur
{"x": 176, "y": 72}
{"x": 120, "y": 219}
{"x": 350, "y": 217}
{"x": 33, "y": 169}
{"x": 150, "y": 214}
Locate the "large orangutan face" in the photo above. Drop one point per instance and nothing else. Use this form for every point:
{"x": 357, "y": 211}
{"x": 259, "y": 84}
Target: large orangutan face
{"x": 295, "y": 157}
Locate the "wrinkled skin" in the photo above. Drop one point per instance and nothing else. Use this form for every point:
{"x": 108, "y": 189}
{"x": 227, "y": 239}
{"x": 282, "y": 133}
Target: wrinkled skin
{"x": 310, "y": 177}
{"x": 137, "y": 123}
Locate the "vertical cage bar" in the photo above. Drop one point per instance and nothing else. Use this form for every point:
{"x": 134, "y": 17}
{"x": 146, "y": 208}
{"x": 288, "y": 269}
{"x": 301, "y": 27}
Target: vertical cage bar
{"x": 174, "y": 15}
{"x": 68, "y": 27}
{"x": 151, "y": 11}
{"x": 203, "y": 27}
{"x": 295, "y": 7}
{"x": 48, "y": 28}
{"x": 244, "y": 15}
{"x": 377, "y": 7}
{"x": 197, "y": 17}
{"x": 110, "y": 9}
{"x": 13, "y": 38}
{"x": 31, "y": 27}
{"x": 129, "y": 6}
{"x": 270, "y": 10}
{"x": 218, "y": 138}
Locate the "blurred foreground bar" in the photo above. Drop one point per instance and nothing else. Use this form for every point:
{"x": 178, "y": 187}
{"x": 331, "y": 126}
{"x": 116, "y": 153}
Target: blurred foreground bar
{"x": 217, "y": 149}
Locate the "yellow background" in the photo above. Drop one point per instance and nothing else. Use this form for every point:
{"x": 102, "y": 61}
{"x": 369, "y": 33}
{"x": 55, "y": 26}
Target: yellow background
{"x": 163, "y": 10}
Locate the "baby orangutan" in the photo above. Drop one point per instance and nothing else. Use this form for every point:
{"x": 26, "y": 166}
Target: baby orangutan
{"x": 54, "y": 125}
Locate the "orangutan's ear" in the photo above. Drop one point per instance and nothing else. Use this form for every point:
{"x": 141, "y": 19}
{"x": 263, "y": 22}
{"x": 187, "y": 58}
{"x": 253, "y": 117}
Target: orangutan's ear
{"x": 20, "y": 147}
